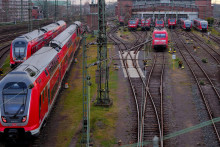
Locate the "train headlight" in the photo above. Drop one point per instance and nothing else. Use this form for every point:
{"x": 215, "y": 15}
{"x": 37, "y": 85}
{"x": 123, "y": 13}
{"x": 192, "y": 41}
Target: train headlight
{"x": 156, "y": 40}
{"x": 163, "y": 40}
{"x": 4, "y": 119}
{"x": 24, "y": 118}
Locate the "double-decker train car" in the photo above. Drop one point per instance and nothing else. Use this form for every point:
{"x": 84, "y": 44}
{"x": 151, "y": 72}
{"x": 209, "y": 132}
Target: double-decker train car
{"x": 133, "y": 24}
{"x": 200, "y": 24}
{"x": 160, "y": 39}
{"x": 29, "y": 91}
{"x": 26, "y": 45}
{"x": 171, "y": 23}
{"x": 159, "y": 23}
{"x": 186, "y": 24}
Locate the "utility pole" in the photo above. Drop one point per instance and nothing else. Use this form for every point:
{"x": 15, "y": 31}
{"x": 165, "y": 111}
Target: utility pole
{"x": 30, "y": 26}
{"x": 67, "y": 5}
{"x": 102, "y": 67}
{"x": 21, "y": 10}
{"x": 56, "y": 11}
{"x": 86, "y": 98}
{"x": 81, "y": 10}
{"x": 46, "y": 9}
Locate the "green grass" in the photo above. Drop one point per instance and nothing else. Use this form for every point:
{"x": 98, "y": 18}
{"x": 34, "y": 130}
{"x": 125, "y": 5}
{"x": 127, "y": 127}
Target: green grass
{"x": 213, "y": 31}
{"x": 102, "y": 119}
{"x": 6, "y": 65}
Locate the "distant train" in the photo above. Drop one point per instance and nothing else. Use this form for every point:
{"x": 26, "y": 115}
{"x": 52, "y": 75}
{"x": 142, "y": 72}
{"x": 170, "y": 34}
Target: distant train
{"x": 29, "y": 91}
{"x": 121, "y": 20}
{"x": 200, "y": 24}
{"x": 133, "y": 24}
{"x": 159, "y": 23}
{"x": 171, "y": 23}
{"x": 160, "y": 39}
{"x": 186, "y": 24}
{"x": 146, "y": 24}
{"x": 26, "y": 45}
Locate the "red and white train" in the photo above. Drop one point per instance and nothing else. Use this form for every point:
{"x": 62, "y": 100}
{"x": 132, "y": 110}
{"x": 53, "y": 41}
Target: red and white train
{"x": 186, "y": 24}
{"x": 200, "y": 24}
{"x": 159, "y": 23}
{"x": 133, "y": 24}
{"x": 29, "y": 91}
{"x": 26, "y": 45}
{"x": 171, "y": 23}
{"x": 160, "y": 39}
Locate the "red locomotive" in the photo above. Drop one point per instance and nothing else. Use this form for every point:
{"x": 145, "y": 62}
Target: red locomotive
{"x": 186, "y": 24}
{"x": 200, "y": 24}
{"x": 171, "y": 23}
{"x": 133, "y": 24}
{"x": 29, "y": 92}
{"x": 121, "y": 20}
{"x": 148, "y": 23}
{"x": 159, "y": 23}
{"x": 26, "y": 45}
{"x": 160, "y": 39}
{"x": 143, "y": 24}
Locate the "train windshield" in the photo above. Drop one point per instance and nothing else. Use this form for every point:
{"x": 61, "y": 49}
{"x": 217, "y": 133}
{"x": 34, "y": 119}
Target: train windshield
{"x": 172, "y": 20}
{"x": 160, "y": 35}
{"x": 19, "y": 50}
{"x": 146, "y": 21}
{"x": 14, "y": 98}
{"x": 204, "y": 24}
{"x": 159, "y": 22}
{"x": 132, "y": 22}
{"x": 187, "y": 23}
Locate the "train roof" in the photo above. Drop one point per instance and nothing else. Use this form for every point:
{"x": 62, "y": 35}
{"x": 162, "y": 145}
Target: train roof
{"x": 49, "y": 27}
{"x": 31, "y": 35}
{"x": 78, "y": 23}
{"x": 61, "y": 39}
{"x": 198, "y": 19}
{"x": 37, "y": 62}
{"x": 37, "y": 33}
{"x": 156, "y": 30}
{"x": 61, "y": 22}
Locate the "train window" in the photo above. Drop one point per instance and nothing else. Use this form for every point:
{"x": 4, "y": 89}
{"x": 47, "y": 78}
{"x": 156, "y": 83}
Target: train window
{"x": 14, "y": 98}
{"x": 159, "y": 22}
{"x": 19, "y": 50}
{"x": 132, "y": 22}
{"x": 172, "y": 20}
{"x": 160, "y": 35}
{"x": 46, "y": 72}
{"x": 54, "y": 89}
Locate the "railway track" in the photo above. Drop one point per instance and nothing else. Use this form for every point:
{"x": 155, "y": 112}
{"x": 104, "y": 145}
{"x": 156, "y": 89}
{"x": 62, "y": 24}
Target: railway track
{"x": 208, "y": 91}
{"x": 207, "y": 48}
{"x": 3, "y": 51}
{"x": 145, "y": 98}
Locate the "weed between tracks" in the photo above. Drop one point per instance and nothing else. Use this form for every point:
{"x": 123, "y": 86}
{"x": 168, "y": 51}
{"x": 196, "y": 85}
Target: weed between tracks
{"x": 102, "y": 120}
{"x": 6, "y": 65}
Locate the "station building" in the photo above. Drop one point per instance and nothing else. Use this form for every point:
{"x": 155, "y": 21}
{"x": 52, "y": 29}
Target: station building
{"x": 165, "y": 8}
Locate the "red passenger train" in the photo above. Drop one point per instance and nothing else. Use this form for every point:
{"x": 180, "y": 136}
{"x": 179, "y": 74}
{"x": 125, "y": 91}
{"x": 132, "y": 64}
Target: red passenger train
{"x": 160, "y": 39}
{"x": 121, "y": 20}
{"x": 133, "y": 24}
{"x": 26, "y": 45}
{"x": 171, "y": 23}
{"x": 186, "y": 24}
{"x": 159, "y": 23}
{"x": 29, "y": 92}
{"x": 200, "y": 24}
